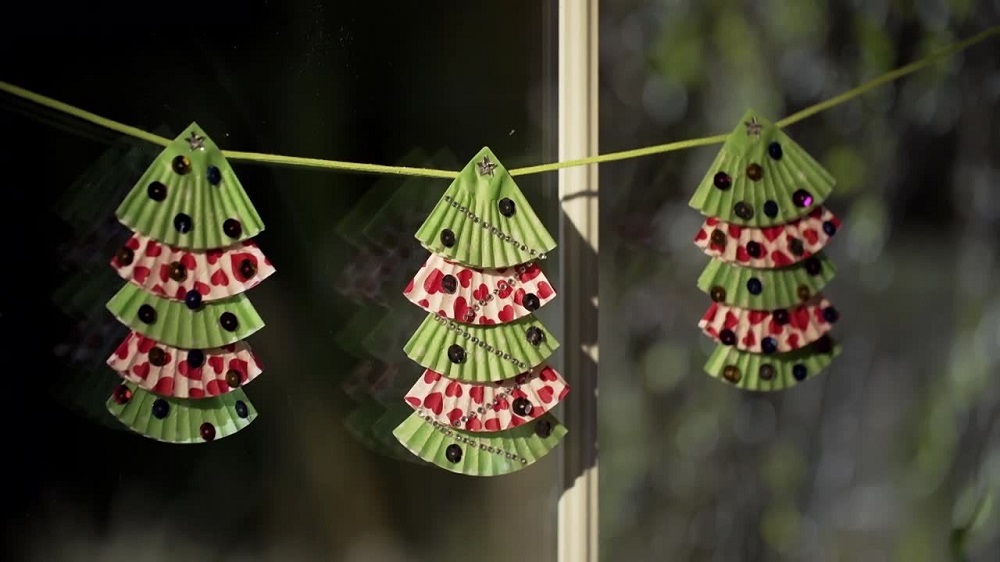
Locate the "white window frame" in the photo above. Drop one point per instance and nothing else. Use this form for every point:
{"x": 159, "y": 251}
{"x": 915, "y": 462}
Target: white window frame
{"x": 578, "y": 229}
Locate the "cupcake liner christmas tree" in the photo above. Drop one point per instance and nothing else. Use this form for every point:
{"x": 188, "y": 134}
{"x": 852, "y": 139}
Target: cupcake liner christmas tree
{"x": 187, "y": 265}
{"x": 482, "y": 405}
{"x": 765, "y": 231}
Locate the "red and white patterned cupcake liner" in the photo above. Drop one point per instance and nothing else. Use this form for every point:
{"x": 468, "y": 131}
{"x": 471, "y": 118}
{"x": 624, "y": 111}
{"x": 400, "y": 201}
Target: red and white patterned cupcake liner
{"x": 171, "y": 272}
{"x": 771, "y": 247}
{"x": 479, "y": 296}
{"x": 167, "y": 371}
{"x": 788, "y": 330}
{"x": 488, "y": 407}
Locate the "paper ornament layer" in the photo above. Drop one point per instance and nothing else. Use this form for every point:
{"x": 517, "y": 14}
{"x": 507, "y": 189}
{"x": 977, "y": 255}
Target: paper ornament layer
{"x": 190, "y": 198}
{"x": 751, "y": 371}
{"x": 771, "y": 247}
{"x": 174, "y": 420}
{"x": 766, "y": 289}
{"x": 480, "y": 454}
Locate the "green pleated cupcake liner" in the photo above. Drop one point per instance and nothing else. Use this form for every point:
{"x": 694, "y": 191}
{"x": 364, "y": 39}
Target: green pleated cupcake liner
{"x": 483, "y": 237}
{"x": 182, "y": 421}
{"x": 780, "y": 288}
{"x": 174, "y": 324}
{"x": 779, "y": 179}
{"x": 480, "y": 454}
{"x": 751, "y": 371}
{"x": 207, "y": 205}
{"x": 491, "y": 353}
{"x": 371, "y": 424}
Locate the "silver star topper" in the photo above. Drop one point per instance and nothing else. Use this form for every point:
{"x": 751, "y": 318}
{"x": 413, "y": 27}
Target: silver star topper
{"x": 753, "y": 127}
{"x": 486, "y": 167}
{"x": 196, "y": 141}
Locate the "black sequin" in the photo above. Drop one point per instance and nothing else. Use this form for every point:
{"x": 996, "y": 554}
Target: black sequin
{"x": 522, "y": 406}
{"x": 727, "y": 337}
{"x": 147, "y": 314}
{"x": 214, "y": 175}
{"x": 535, "y": 336}
{"x": 813, "y": 266}
{"x": 722, "y": 181}
{"x": 181, "y": 164}
{"x": 543, "y": 428}
{"x": 743, "y": 211}
{"x": 770, "y": 209}
{"x": 207, "y": 431}
{"x": 160, "y": 408}
{"x": 195, "y": 358}
{"x": 796, "y": 247}
{"x": 447, "y": 238}
{"x": 229, "y": 322}
{"x": 829, "y": 228}
{"x": 232, "y": 228}
{"x": 183, "y": 223}
{"x": 192, "y": 299}
{"x": 241, "y": 409}
{"x": 506, "y": 207}
{"x": 157, "y": 357}
{"x": 755, "y": 286}
{"x": 125, "y": 256}
{"x": 765, "y": 372}
{"x": 800, "y": 372}
{"x": 830, "y": 314}
{"x": 754, "y": 250}
{"x": 456, "y": 354}
{"x": 156, "y": 191}
{"x": 781, "y": 317}
{"x": 449, "y": 284}
{"x": 531, "y": 302}
{"x": 453, "y": 453}
{"x": 774, "y": 150}
{"x": 768, "y": 345}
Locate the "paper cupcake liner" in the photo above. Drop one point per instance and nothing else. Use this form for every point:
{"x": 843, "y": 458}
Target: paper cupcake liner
{"x": 207, "y": 206}
{"x": 483, "y": 237}
{"x": 779, "y": 288}
{"x": 489, "y": 353}
{"x": 489, "y": 407}
{"x": 479, "y": 454}
{"x": 174, "y": 324}
{"x": 371, "y": 424}
{"x": 780, "y": 178}
{"x": 774, "y": 246}
{"x": 479, "y": 296}
{"x": 176, "y": 374}
{"x": 751, "y": 371}
{"x": 172, "y": 272}
{"x": 175, "y": 420}
{"x": 755, "y": 330}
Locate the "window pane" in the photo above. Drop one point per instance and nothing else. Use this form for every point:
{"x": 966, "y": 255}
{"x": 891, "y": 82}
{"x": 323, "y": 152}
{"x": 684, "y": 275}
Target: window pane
{"x": 418, "y": 84}
{"x": 885, "y": 454}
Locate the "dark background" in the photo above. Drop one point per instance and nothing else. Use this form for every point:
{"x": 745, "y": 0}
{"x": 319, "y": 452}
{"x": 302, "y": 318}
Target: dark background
{"x": 357, "y": 81}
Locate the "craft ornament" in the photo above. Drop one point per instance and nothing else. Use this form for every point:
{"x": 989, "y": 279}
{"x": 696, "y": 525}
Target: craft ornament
{"x": 766, "y": 232}
{"x": 187, "y": 265}
{"x": 483, "y": 404}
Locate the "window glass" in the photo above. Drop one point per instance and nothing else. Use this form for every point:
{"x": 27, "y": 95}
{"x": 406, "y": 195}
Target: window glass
{"x": 314, "y": 477}
{"x": 886, "y": 454}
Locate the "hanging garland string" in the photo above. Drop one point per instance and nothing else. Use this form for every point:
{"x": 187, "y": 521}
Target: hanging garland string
{"x": 318, "y": 163}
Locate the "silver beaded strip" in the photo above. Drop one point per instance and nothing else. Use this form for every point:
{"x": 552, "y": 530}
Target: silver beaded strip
{"x": 457, "y": 328}
{"x": 510, "y": 282}
{"x": 503, "y": 395}
{"x": 492, "y": 229}
{"x": 451, "y": 433}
